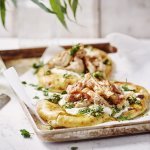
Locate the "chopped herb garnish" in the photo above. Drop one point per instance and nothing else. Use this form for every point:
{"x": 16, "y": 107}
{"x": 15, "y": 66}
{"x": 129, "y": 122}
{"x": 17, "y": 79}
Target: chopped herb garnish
{"x": 84, "y": 111}
{"x": 82, "y": 74}
{"x": 107, "y": 62}
{"x": 138, "y": 102}
{"x": 37, "y": 66}
{"x": 45, "y": 92}
{"x": 122, "y": 118}
{"x": 66, "y": 75}
{"x": 74, "y": 49}
{"x": 55, "y": 98}
{"x": 64, "y": 92}
{"x": 33, "y": 85}
{"x": 97, "y": 111}
{"x": 99, "y": 75}
{"x": 25, "y": 133}
{"x": 39, "y": 88}
{"x": 125, "y": 88}
{"x": 131, "y": 99}
{"x": 115, "y": 110}
{"x": 69, "y": 105}
{"x": 24, "y": 82}
{"x": 35, "y": 97}
{"x": 74, "y": 148}
{"x": 50, "y": 127}
{"x": 48, "y": 72}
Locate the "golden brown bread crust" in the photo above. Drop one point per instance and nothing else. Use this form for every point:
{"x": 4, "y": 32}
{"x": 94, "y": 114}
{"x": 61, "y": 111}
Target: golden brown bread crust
{"x": 56, "y": 116}
{"x": 79, "y": 63}
{"x": 137, "y": 109}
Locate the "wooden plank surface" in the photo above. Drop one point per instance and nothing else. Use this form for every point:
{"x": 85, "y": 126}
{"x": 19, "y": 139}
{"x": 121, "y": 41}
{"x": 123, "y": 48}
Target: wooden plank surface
{"x": 37, "y": 52}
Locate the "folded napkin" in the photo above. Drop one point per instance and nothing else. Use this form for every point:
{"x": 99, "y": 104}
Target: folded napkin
{"x": 132, "y": 61}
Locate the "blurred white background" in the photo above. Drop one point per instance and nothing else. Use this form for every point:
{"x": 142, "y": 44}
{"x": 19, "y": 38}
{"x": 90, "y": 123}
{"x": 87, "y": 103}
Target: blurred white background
{"x": 97, "y": 18}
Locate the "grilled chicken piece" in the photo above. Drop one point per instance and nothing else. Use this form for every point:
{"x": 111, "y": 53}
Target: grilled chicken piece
{"x": 82, "y": 59}
{"x": 62, "y": 59}
{"x": 76, "y": 65}
{"x": 97, "y": 92}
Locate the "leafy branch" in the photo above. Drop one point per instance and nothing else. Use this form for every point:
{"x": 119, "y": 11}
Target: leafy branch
{"x": 56, "y": 7}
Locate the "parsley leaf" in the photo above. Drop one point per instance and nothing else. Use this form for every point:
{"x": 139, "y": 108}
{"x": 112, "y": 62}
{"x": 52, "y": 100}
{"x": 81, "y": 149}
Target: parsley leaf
{"x": 67, "y": 75}
{"x": 37, "y": 66}
{"x": 107, "y": 62}
{"x": 74, "y": 49}
{"x": 25, "y": 133}
{"x": 55, "y": 98}
{"x": 97, "y": 111}
{"x": 125, "y": 88}
{"x": 74, "y": 148}
{"x": 24, "y": 82}
{"x": 69, "y": 105}
{"x": 64, "y": 92}
{"x": 99, "y": 75}
{"x": 122, "y": 118}
{"x": 48, "y": 72}
{"x": 35, "y": 97}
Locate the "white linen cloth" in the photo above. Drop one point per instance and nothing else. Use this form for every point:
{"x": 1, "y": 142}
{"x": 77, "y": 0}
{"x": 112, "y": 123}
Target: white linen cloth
{"x": 132, "y": 61}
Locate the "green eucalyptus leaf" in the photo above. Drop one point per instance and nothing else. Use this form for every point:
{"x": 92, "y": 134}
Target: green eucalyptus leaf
{"x": 41, "y": 5}
{"x": 2, "y": 11}
{"x": 14, "y": 2}
{"x": 57, "y": 8}
{"x": 74, "y": 7}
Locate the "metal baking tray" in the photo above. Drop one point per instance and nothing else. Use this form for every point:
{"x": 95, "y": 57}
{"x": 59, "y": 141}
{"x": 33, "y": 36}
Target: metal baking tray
{"x": 22, "y": 60}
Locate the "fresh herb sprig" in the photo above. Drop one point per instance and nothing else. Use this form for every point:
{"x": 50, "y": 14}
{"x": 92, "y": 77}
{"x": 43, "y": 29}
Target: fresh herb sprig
{"x": 69, "y": 105}
{"x": 123, "y": 118}
{"x": 55, "y": 98}
{"x": 57, "y": 7}
{"x": 99, "y": 75}
{"x": 97, "y": 111}
{"x": 126, "y": 88}
{"x": 74, "y": 49}
{"x": 74, "y": 148}
{"x": 25, "y": 133}
{"x": 37, "y": 66}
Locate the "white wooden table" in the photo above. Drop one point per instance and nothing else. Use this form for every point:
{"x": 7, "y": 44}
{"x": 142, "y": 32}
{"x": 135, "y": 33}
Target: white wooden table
{"x": 12, "y": 119}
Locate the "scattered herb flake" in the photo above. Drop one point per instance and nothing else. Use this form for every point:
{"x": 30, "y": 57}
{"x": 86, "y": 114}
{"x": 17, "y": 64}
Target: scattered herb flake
{"x": 50, "y": 128}
{"x": 115, "y": 110}
{"x": 122, "y": 118}
{"x": 45, "y": 91}
{"x": 74, "y": 148}
{"x": 48, "y": 72}
{"x": 96, "y": 112}
{"x": 37, "y": 66}
{"x": 33, "y": 85}
{"x": 64, "y": 92}
{"x": 66, "y": 75}
{"x": 74, "y": 49}
{"x": 24, "y": 82}
{"x": 39, "y": 88}
{"x": 35, "y": 97}
{"x": 125, "y": 88}
{"x": 25, "y": 133}
{"x": 99, "y": 75}
{"x": 55, "y": 98}
{"x": 132, "y": 99}
{"x": 69, "y": 105}
{"x": 107, "y": 62}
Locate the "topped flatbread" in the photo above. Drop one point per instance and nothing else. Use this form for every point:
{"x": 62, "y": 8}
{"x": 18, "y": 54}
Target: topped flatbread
{"x": 91, "y": 102}
{"x": 70, "y": 65}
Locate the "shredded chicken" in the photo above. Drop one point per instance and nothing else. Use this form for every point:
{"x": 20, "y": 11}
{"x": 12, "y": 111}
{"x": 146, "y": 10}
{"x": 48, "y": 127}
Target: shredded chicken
{"x": 95, "y": 92}
{"x": 85, "y": 59}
